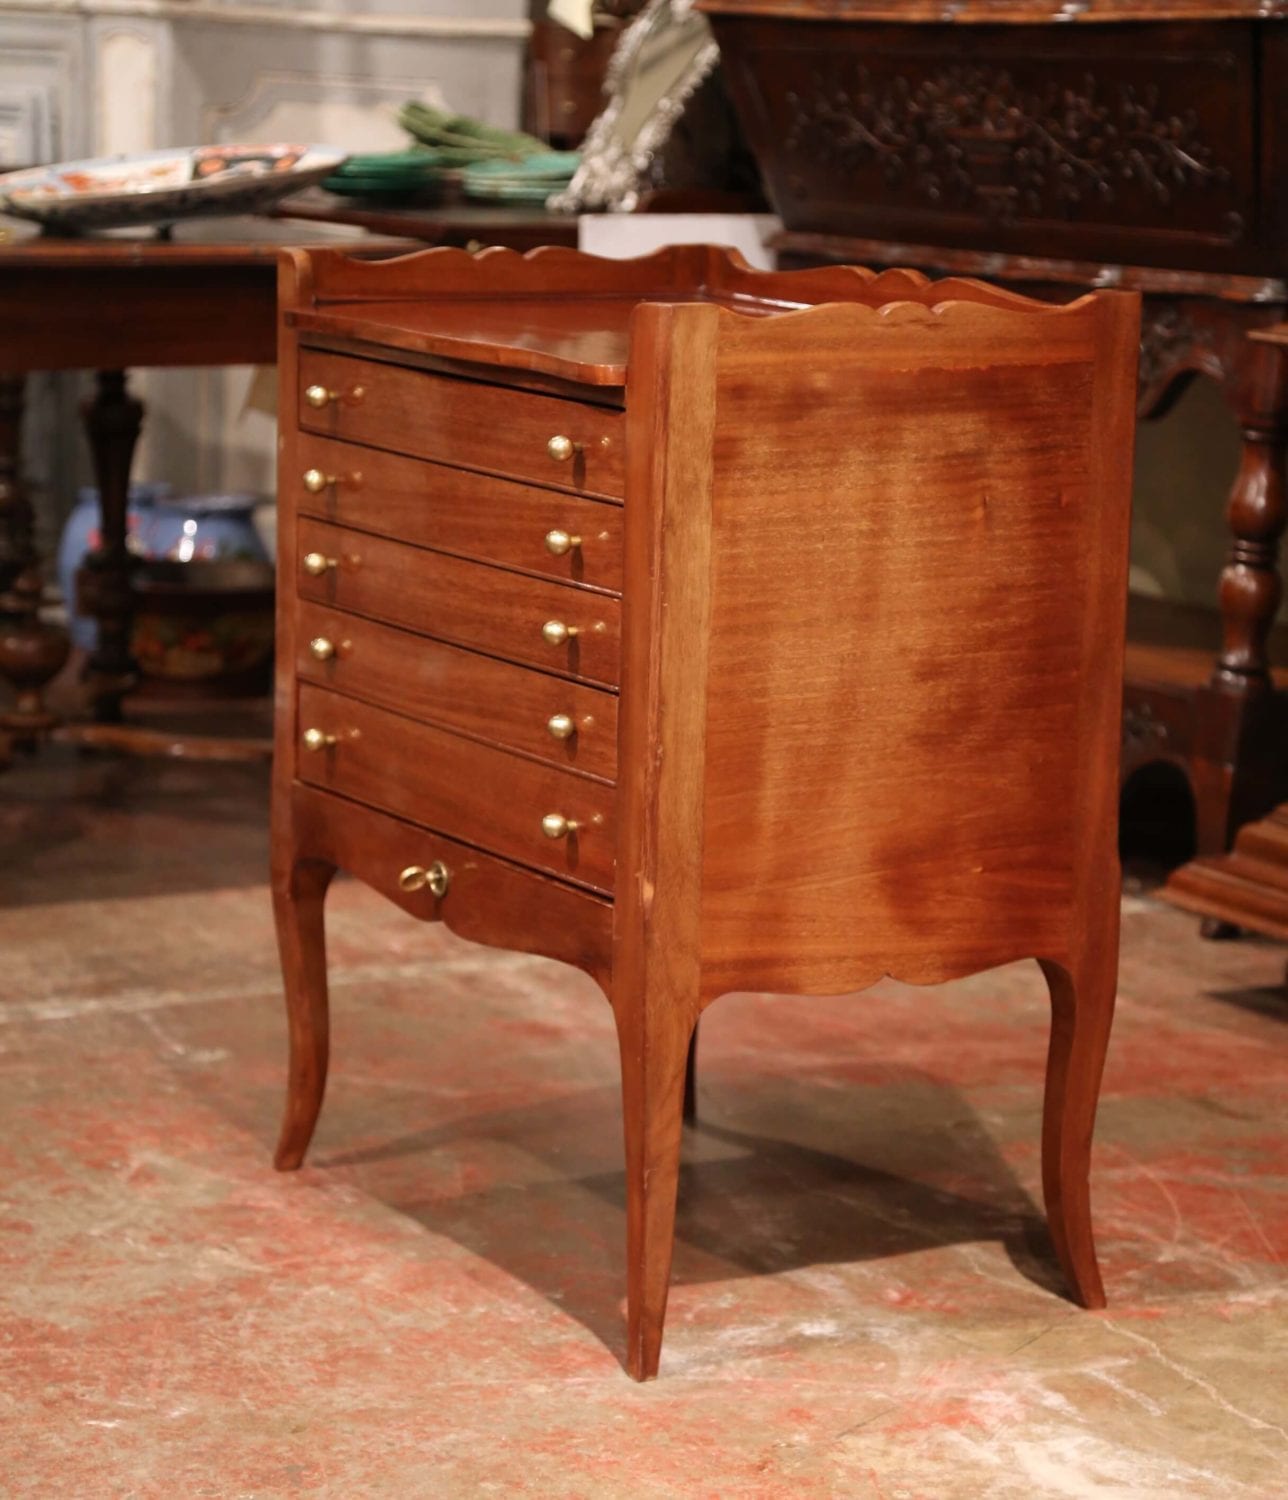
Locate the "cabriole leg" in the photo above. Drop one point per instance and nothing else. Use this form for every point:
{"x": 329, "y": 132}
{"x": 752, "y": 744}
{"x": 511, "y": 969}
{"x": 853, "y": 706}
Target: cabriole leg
{"x": 298, "y": 902}
{"x": 1082, "y": 1008}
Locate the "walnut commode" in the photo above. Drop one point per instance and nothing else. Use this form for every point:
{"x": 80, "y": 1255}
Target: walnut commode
{"x": 710, "y": 630}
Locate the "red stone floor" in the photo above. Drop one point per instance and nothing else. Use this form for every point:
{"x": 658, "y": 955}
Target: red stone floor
{"x": 864, "y": 1304}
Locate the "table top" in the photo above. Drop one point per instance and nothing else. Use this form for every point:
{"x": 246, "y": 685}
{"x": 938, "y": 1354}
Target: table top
{"x": 204, "y": 295}
{"x": 245, "y": 240}
{"x": 587, "y": 342}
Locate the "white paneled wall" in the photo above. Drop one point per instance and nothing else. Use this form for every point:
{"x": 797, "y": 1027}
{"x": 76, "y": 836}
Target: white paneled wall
{"x": 84, "y": 77}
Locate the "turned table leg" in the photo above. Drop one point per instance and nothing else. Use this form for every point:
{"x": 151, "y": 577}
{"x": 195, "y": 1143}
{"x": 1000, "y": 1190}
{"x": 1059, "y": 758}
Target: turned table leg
{"x": 1235, "y": 770}
{"x": 113, "y": 420}
{"x": 31, "y": 651}
{"x": 1250, "y": 585}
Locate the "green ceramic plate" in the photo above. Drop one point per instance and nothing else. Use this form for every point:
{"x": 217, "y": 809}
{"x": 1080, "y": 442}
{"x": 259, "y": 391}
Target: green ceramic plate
{"x": 525, "y": 194}
{"x": 391, "y": 164}
{"x": 555, "y": 166}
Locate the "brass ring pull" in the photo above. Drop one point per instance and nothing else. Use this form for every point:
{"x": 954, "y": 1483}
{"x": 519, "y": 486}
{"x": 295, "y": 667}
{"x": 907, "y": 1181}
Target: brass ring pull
{"x": 417, "y": 878}
{"x": 560, "y": 543}
{"x": 318, "y": 739}
{"x": 556, "y": 826}
{"x": 556, "y": 633}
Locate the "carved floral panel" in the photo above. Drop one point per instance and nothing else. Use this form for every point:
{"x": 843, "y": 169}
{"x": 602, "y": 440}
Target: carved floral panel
{"x": 977, "y": 139}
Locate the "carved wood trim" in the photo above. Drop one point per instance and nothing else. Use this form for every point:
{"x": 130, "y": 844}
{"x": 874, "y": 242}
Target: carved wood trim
{"x": 971, "y": 139}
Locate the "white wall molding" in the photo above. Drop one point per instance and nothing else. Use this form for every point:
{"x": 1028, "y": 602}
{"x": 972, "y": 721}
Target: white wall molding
{"x": 81, "y": 77}
{"x": 127, "y": 67}
{"x": 436, "y": 28}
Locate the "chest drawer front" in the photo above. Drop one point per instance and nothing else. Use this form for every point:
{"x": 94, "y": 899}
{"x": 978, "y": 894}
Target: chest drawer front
{"x": 559, "y": 721}
{"x": 462, "y": 602}
{"x": 457, "y": 510}
{"x": 486, "y": 900}
{"x": 463, "y": 422}
{"x": 468, "y": 791}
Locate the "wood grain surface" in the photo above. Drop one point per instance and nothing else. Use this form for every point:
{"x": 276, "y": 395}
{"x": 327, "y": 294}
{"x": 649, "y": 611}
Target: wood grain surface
{"x": 475, "y": 793}
{"x": 466, "y": 603}
{"x": 460, "y": 690}
{"x": 464, "y": 422}
{"x": 466, "y": 513}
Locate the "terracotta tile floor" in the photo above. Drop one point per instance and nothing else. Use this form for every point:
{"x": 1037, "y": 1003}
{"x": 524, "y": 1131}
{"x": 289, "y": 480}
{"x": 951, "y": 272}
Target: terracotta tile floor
{"x": 864, "y": 1304}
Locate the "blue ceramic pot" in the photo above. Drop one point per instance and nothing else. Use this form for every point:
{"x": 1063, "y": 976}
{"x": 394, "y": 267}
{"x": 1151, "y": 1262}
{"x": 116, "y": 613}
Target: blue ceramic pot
{"x": 81, "y": 536}
{"x": 190, "y": 528}
{"x": 204, "y": 528}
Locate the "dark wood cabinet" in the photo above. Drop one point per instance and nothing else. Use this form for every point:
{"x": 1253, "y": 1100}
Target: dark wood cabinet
{"x": 564, "y": 89}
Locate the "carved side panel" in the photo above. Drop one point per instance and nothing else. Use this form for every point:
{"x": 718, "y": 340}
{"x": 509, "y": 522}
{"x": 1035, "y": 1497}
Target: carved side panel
{"x": 1137, "y": 144}
{"x": 988, "y": 141}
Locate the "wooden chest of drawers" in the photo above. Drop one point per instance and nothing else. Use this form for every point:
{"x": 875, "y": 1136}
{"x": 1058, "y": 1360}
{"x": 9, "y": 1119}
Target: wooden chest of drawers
{"x": 612, "y": 603}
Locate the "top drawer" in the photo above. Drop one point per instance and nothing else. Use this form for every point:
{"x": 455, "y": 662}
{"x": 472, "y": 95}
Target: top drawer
{"x": 463, "y": 422}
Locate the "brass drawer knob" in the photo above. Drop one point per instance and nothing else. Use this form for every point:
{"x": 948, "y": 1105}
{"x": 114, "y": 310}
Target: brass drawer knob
{"x": 318, "y": 739}
{"x": 316, "y": 564}
{"x": 321, "y": 649}
{"x": 315, "y": 481}
{"x": 561, "y": 448}
{"x": 560, "y": 727}
{"x": 556, "y": 633}
{"x": 437, "y": 877}
{"x": 318, "y": 396}
{"x": 560, "y": 543}
{"x": 556, "y": 826}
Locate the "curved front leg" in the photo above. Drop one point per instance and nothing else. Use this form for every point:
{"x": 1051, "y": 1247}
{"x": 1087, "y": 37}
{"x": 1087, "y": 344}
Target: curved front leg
{"x": 298, "y": 903}
{"x": 1082, "y": 1009}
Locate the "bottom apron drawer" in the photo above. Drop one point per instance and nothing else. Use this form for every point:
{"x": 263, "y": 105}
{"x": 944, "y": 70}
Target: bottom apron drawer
{"x": 486, "y": 900}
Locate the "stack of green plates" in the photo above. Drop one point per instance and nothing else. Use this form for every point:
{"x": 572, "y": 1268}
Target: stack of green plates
{"x": 529, "y": 180}
{"x": 458, "y": 153}
{"x": 387, "y": 174}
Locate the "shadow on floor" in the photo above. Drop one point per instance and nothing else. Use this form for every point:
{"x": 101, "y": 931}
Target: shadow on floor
{"x": 1260, "y": 1001}
{"x": 750, "y": 1201}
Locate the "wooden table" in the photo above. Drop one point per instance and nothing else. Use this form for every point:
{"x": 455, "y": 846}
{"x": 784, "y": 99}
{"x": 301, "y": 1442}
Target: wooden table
{"x": 1059, "y": 147}
{"x": 207, "y": 296}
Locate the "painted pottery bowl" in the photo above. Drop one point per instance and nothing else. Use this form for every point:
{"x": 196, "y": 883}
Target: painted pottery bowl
{"x": 205, "y": 625}
{"x": 159, "y": 187}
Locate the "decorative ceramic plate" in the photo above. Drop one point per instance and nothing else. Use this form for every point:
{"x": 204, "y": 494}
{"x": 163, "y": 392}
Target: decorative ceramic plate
{"x": 160, "y": 187}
